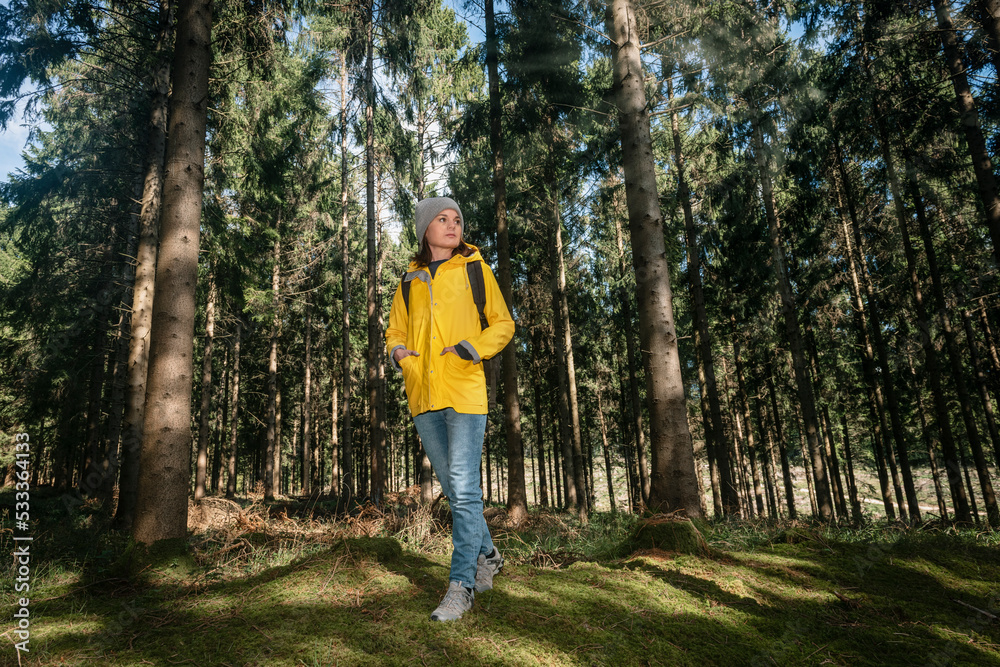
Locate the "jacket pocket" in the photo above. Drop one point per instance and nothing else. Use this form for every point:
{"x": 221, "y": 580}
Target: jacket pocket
{"x": 466, "y": 383}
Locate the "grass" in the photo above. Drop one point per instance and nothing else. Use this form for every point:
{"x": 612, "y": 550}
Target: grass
{"x": 280, "y": 590}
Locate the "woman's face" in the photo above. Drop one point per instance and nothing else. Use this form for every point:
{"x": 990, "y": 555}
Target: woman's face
{"x": 445, "y": 232}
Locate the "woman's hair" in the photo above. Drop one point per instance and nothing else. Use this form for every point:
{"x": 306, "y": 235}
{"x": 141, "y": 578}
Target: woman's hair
{"x": 423, "y": 256}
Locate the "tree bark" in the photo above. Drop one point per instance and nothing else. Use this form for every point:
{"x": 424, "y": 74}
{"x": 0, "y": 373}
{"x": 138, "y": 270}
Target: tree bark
{"x": 673, "y": 483}
{"x": 573, "y": 454}
{"x": 201, "y": 467}
{"x": 334, "y": 443}
{"x": 110, "y": 466}
{"x": 743, "y": 408}
{"x": 234, "y": 415}
{"x": 786, "y": 471}
{"x": 607, "y": 454}
{"x": 222, "y": 423}
{"x": 852, "y": 487}
{"x": 928, "y": 440}
{"x": 308, "y": 464}
{"x": 165, "y": 467}
{"x": 543, "y": 487}
{"x": 989, "y": 19}
{"x": 639, "y": 436}
{"x": 346, "y": 488}
{"x": 376, "y": 434}
{"x": 145, "y": 273}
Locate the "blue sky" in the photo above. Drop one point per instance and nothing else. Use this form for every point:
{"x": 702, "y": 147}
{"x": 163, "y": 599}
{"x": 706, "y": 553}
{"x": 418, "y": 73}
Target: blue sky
{"x": 12, "y": 142}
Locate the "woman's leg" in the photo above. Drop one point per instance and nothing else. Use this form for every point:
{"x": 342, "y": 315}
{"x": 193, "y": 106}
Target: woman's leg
{"x": 433, "y": 432}
{"x": 470, "y": 534}
{"x": 454, "y": 444}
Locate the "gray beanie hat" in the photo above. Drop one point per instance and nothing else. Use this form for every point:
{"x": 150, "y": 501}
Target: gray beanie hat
{"x": 427, "y": 210}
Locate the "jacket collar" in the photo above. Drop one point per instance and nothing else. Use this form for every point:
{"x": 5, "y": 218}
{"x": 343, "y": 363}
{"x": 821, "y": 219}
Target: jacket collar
{"x": 457, "y": 259}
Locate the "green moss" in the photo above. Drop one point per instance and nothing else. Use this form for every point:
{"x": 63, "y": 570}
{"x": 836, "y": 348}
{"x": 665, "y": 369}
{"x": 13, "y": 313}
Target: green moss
{"x": 840, "y": 598}
{"x": 668, "y": 534}
{"x": 163, "y": 560}
{"x": 383, "y": 549}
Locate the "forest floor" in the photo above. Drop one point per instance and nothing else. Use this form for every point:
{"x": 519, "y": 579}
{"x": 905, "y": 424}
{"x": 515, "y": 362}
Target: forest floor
{"x": 292, "y": 584}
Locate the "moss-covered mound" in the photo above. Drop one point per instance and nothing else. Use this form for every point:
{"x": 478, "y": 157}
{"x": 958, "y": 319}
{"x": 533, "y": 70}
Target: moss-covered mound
{"x": 668, "y": 532}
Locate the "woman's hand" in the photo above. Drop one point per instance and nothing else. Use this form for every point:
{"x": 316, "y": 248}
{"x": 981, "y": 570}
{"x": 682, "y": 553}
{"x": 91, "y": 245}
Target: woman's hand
{"x": 400, "y": 353}
{"x": 450, "y": 348}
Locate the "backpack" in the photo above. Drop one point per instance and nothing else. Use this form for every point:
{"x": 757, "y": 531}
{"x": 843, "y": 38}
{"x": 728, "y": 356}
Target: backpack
{"x": 478, "y": 285}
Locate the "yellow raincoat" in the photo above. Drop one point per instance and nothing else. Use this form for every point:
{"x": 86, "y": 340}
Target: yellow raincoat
{"x": 442, "y": 313}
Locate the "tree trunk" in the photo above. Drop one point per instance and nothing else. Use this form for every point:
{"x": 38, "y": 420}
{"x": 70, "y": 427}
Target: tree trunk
{"x": 234, "y": 412}
{"x": 517, "y": 499}
{"x": 717, "y": 446}
{"x": 573, "y": 454}
{"x": 165, "y": 467}
{"x": 991, "y": 348}
{"x": 543, "y": 490}
{"x": 786, "y": 471}
{"x": 931, "y": 361}
{"x": 145, "y": 273}
{"x": 969, "y": 120}
{"x": 346, "y": 490}
{"x": 673, "y": 483}
{"x": 954, "y": 354}
{"x": 859, "y": 275}
{"x": 334, "y": 444}
{"x": 112, "y": 458}
{"x": 852, "y": 487}
{"x": 743, "y": 408}
{"x": 565, "y": 440}
{"x": 607, "y": 454}
{"x": 558, "y": 479}
{"x": 201, "y": 467}
{"x": 834, "y": 465}
{"x": 376, "y": 434}
{"x": 980, "y": 377}
{"x": 90, "y": 473}
{"x": 789, "y": 313}
{"x": 639, "y": 438}
{"x": 928, "y": 440}
{"x": 308, "y": 464}
{"x": 222, "y": 423}
{"x": 989, "y": 19}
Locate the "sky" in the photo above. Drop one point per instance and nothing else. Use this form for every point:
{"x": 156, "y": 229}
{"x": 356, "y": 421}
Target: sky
{"x": 12, "y": 142}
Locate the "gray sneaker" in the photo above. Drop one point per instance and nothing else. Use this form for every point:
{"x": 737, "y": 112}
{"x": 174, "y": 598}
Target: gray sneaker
{"x": 456, "y": 602}
{"x": 487, "y": 568}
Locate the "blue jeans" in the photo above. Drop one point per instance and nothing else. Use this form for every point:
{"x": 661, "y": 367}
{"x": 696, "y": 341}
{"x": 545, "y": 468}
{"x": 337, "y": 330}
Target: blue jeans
{"x": 454, "y": 444}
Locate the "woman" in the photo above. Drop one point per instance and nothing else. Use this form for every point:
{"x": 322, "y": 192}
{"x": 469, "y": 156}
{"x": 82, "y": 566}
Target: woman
{"x": 436, "y": 340}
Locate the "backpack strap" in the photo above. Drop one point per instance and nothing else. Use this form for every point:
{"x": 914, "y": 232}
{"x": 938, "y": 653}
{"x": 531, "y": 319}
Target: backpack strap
{"x": 475, "y": 270}
{"x": 405, "y": 287}
{"x": 490, "y": 366}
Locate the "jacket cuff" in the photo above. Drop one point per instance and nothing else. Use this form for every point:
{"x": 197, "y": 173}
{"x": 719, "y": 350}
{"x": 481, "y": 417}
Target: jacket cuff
{"x": 392, "y": 357}
{"x": 466, "y": 346}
